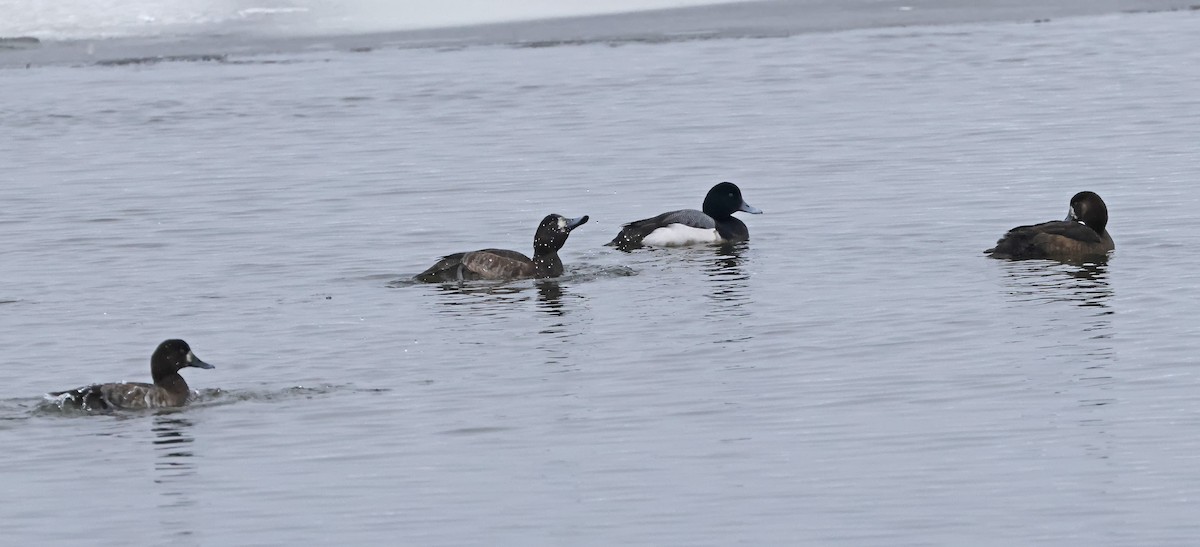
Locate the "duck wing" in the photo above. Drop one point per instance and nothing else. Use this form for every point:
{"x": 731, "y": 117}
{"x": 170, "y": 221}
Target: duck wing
{"x": 446, "y": 269}
{"x": 1057, "y": 237}
{"x": 482, "y": 264}
{"x": 633, "y": 233}
{"x": 496, "y": 264}
{"x": 109, "y": 396}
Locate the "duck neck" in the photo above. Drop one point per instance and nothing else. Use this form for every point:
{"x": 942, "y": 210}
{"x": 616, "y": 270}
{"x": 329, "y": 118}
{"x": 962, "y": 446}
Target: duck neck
{"x": 715, "y": 214}
{"x": 546, "y": 264}
{"x": 172, "y": 382}
{"x": 732, "y": 228}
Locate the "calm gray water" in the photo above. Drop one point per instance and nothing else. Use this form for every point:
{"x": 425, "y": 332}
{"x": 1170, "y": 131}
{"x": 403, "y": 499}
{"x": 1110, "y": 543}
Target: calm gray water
{"x": 858, "y": 373}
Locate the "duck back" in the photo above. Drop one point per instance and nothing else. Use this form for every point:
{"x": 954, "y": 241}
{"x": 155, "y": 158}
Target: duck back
{"x": 128, "y": 395}
{"x": 633, "y": 235}
{"x": 1054, "y": 239}
{"x": 481, "y": 264}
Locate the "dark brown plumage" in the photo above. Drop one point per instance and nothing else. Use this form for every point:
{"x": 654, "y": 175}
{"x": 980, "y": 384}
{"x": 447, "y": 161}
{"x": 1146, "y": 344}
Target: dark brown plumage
{"x": 550, "y": 236}
{"x": 168, "y": 390}
{"x": 1082, "y": 236}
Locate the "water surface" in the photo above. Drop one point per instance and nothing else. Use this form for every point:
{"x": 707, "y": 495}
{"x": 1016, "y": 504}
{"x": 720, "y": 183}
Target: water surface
{"x": 856, "y": 373}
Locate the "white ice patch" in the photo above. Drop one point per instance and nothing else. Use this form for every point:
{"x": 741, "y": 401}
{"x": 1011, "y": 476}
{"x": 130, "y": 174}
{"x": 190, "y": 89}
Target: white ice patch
{"x": 251, "y": 12}
{"x": 92, "y": 19}
{"x": 680, "y": 234}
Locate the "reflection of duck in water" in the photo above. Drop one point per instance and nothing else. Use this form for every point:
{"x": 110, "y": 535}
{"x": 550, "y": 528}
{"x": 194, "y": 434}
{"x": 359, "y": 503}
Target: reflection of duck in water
{"x": 1085, "y": 285}
{"x": 715, "y": 224}
{"x": 550, "y": 236}
{"x": 728, "y": 261}
{"x": 1080, "y": 237}
{"x": 170, "y": 433}
{"x": 168, "y": 390}
{"x": 465, "y": 298}
{"x": 173, "y": 442}
{"x": 550, "y": 295}
{"x": 175, "y": 475}
{"x": 728, "y": 289}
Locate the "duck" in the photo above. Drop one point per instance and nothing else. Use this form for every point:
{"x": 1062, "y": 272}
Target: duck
{"x": 503, "y": 264}
{"x": 713, "y": 224}
{"x": 168, "y": 390}
{"x": 1082, "y": 235}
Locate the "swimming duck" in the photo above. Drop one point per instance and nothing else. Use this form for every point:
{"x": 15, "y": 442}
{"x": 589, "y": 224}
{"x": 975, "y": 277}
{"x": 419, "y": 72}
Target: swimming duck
{"x": 550, "y": 236}
{"x": 715, "y": 224}
{"x": 1080, "y": 236}
{"x": 168, "y": 390}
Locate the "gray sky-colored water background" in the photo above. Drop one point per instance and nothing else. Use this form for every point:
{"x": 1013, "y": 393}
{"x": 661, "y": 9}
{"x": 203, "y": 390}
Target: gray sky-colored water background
{"x": 262, "y": 179}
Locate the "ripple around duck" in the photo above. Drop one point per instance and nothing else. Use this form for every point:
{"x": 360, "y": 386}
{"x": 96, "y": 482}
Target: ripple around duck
{"x": 577, "y": 273}
{"x": 16, "y": 410}
{"x": 219, "y": 397}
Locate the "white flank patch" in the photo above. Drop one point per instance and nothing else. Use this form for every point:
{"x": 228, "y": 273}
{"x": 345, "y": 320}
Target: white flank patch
{"x": 680, "y": 234}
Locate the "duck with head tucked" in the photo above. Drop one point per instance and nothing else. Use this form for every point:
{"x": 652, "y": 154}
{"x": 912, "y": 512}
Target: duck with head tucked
{"x": 1081, "y": 236}
{"x": 168, "y": 390}
{"x": 496, "y": 264}
{"x": 714, "y": 224}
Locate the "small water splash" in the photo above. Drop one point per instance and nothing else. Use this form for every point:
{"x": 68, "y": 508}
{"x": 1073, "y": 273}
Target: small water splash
{"x": 67, "y": 402}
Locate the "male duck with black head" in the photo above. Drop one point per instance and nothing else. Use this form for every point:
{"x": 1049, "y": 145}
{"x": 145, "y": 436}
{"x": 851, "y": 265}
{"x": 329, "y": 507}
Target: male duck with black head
{"x": 168, "y": 390}
{"x": 714, "y": 224}
{"x": 498, "y": 264}
{"x": 1082, "y": 236}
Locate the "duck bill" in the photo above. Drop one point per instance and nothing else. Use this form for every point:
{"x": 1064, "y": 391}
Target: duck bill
{"x": 193, "y": 361}
{"x": 1071, "y": 215}
{"x": 746, "y": 207}
{"x": 573, "y": 223}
